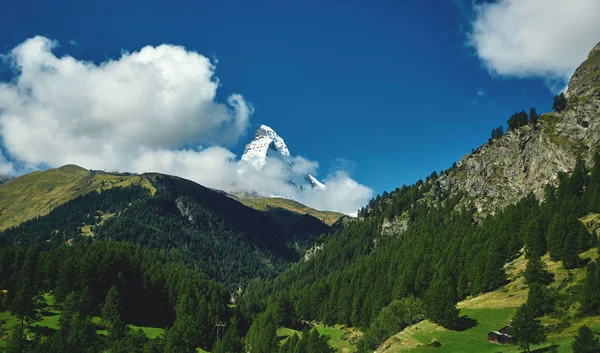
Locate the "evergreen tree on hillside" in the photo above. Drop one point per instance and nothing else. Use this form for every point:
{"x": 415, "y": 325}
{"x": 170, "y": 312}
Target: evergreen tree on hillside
{"x": 593, "y": 189}
{"x": 560, "y": 102}
{"x": 77, "y": 333}
{"x": 17, "y": 341}
{"x": 535, "y": 237}
{"x": 440, "y": 303}
{"x": 526, "y": 329}
{"x": 590, "y": 302}
{"x": 533, "y": 116}
{"x": 112, "y": 315}
{"x": 283, "y": 310}
{"x": 290, "y": 345}
{"x": 539, "y": 300}
{"x": 536, "y": 271}
{"x": 262, "y": 336}
{"x": 585, "y": 341}
{"x": 517, "y": 120}
{"x": 23, "y": 305}
{"x": 230, "y": 342}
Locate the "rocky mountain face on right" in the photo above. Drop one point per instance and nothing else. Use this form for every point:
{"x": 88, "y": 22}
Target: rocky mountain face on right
{"x": 526, "y": 158}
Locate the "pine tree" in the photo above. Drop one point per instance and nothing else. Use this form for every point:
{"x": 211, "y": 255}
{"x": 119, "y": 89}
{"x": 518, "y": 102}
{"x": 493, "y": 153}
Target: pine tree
{"x": 526, "y": 329}
{"x": 283, "y": 310}
{"x": 535, "y": 237}
{"x": 538, "y": 300}
{"x": 533, "y": 116}
{"x": 290, "y": 345}
{"x": 112, "y": 315}
{"x": 17, "y": 342}
{"x": 560, "y": 102}
{"x": 590, "y": 302}
{"x": 262, "y": 336}
{"x": 440, "y": 303}
{"x": 230, "y": 342}
{"x": 77, "y": 333}
{"x": 570, "y": 253}
{"x": 585, "y": 341}
{"x": 23, "y": 304}
{"x": 536, "y": 271}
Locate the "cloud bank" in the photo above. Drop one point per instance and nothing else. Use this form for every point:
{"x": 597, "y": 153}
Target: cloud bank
{"x": 150, "y": 110}
{"x": 533, "y": 38}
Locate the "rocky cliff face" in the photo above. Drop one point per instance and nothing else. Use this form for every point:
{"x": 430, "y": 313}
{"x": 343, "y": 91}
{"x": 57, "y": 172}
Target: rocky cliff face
{"x": 505, "y": 170}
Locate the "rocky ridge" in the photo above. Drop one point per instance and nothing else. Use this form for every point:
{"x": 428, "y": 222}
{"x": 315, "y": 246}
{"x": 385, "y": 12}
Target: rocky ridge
{"x": 526, "y": 159}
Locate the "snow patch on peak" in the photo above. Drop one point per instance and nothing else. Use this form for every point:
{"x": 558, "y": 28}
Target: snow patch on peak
{"x": 315, "y": 183}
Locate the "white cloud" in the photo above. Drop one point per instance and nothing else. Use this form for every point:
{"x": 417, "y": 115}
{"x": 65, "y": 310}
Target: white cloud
{"x": 149, "y": 110}
{"x": 302, "y": 166}
{"x": 480, "y": 92}
{"x": 342, "y": 194}
{"x": 533, "y": 38}
{"x": 6, "y": 167}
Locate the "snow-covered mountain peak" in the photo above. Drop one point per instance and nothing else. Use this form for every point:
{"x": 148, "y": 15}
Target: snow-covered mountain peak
{"x": 266, "y": 144}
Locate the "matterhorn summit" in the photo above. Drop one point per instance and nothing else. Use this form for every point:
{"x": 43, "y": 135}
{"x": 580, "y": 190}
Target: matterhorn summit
{"x": 268, "y": 145}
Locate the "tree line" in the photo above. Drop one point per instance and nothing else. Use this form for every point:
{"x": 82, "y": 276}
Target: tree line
{"x": 445, "y": 255}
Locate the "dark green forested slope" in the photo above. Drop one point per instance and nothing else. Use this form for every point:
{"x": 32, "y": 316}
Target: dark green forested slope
{"x": 227, "y": 240}
{"x": 363, "y": 279}
{"x": 122, "y": 283}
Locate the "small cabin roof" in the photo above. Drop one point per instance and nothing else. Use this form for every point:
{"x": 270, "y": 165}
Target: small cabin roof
{"x": 499, "y": 333}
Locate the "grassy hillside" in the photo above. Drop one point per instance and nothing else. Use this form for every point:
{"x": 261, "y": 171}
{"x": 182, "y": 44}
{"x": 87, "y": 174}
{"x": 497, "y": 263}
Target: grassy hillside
{"x": 493, "y": 310}
{"x": 342, "y": 339}
{"x": 263, "y": 204}
{"x": 38, "y": 193}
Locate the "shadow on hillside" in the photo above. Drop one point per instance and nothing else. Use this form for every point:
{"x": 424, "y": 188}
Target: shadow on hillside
{"x": 464, "y": 323}
{"x": 42, "y": 330}
{"x": 48, "y": 313}
{"x": 551, "y": 348}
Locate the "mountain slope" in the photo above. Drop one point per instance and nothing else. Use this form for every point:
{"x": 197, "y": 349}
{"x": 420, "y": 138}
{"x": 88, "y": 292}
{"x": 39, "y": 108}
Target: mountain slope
{"x": 493, "y": 310}
{"x": 266, "y": 203}
{"x": 528, "y": 158}
{"x": 452, "y": 236}
{"x": 37, "y": 193}
{"x": 229, "y": 241}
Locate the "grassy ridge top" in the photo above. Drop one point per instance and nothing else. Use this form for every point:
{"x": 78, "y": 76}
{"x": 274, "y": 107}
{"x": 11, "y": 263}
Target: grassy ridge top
{"x": 262, "y": 204}
{"x": 38, "y": 193}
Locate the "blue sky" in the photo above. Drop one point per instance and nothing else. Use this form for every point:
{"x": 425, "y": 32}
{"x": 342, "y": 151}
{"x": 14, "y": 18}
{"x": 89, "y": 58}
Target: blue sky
{"x": 388, "y": 90}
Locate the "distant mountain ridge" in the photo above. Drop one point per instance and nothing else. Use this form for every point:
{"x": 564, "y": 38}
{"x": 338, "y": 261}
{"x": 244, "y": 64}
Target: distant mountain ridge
{"x": 228, "y": 240}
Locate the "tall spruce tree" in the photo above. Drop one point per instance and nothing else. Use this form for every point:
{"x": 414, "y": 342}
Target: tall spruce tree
{"x": 560, "y": 102}
{"x": 533, "y": 116}
{"x": 262, "y": 335}
{"x": 112, "y": 315}
{"x": 585, "y": 341}
{"x": 536, "y": 271}
{"x": 440, "y": 303}
{"x": 590, "y": 302}
{"x": 23, "y": 304}
{"x": 526, "y": 329}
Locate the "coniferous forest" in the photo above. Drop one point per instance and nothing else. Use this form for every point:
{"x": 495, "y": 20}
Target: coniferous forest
{"x": 152, "y": 265}
{"x": 213, "y": 274}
